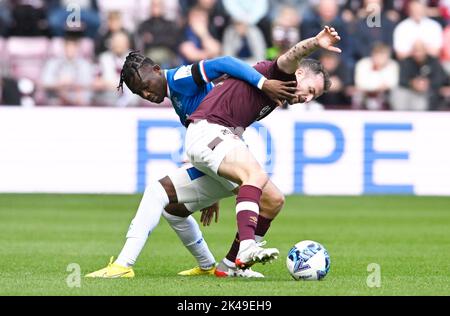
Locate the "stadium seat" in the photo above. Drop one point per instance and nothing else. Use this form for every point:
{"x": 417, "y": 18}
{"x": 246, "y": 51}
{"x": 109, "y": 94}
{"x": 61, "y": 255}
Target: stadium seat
{"x": 27, "y": 56}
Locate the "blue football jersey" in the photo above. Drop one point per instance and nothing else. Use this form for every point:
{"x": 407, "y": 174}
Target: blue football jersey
{"x": 184, "y": 93}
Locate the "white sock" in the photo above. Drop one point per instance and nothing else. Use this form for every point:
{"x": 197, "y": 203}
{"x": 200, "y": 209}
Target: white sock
{"x": 229, "y": 263}
{"x": 190, "y": 234}
{"x": 244, "y": 244}
{"x": 259, "y": 238}
{"x": 153, "y": 202}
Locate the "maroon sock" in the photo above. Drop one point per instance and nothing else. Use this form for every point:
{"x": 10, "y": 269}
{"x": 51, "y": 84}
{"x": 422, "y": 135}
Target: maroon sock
{"x": 232, "y": 253}
{"x": 247, "y": 209}
{"x": 263, "y": 226}
{"x": 261, "y": 230}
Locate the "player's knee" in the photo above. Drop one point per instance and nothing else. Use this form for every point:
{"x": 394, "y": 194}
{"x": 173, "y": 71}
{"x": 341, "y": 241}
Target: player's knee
{"x": 272, "y": 205}
{"x": 179, "y": 210}
{"x": 169, "y": 189}
{"x": 279, "y": 203}
{"x": 170, "y": 218}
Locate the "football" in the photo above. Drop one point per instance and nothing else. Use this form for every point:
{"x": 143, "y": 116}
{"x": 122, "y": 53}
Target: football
{"x": 308, "y": 260}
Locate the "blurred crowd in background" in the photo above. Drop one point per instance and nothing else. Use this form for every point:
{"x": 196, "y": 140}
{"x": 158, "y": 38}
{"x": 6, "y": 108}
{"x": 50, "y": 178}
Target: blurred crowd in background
{"x": 396, "y": 53}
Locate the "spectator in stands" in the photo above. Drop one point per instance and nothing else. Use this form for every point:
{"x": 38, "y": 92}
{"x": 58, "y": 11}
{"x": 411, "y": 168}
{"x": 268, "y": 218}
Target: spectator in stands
{"x": 110, "y": 66}
{"x": 369, "y": 31}
{"x": 445, "y": 95}
{"x": 417, "y": 27}
{"x": 434, "y": 9}
{"x": 28, "y": 18}
{"x": 244, "y": 41}
{"x": 421, "y": 78}
{"x": 300, "y": 6}
{"x": 9, "y": 91}
{"x": 341, "y": 81}
{"x": 375, "y": 77}
{"x": 445, "y": 56}
{"x": 59, "y": 11}
{"x": 198, "y": 43}
{"x": 246, "y": 11}
{"x": 218, "y": 17}
{"x": 285, "y": 31}
{"x": 153, "y": 40}
{"x": 326, "y": 12}
{"x": 68, "y": 79}
{"x": 310, "y": 12}
{"x": 172, "y": 10}
{"x": 5, "y": 17}
{"x": 357, "y": 9}
{"x": 444, "y": 8}
{"x": 114, "y": 24}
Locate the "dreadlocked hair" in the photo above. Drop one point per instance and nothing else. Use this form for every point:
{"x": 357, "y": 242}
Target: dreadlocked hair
{"x": 130, "y": 68}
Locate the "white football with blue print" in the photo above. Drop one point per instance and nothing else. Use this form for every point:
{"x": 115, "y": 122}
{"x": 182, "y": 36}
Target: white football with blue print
{"x": 308, "y": 260}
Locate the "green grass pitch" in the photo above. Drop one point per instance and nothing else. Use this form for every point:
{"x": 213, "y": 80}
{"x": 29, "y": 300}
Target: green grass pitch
{"x": 409, "y": 237}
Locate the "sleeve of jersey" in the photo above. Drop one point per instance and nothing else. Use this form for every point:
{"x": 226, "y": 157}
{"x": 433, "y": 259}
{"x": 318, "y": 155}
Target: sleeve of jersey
{"x": 215, "y": 68}
{"x": 276, "y": 73}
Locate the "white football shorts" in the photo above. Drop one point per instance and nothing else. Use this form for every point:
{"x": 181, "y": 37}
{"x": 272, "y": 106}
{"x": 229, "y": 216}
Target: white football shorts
{"x": 207, "y": 144}
{"x": 196, "y": 189}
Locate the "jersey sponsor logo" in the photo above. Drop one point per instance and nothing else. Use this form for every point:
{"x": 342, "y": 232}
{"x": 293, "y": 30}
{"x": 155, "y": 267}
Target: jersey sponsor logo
{"x": 265, "y": 111}
{"x": 183, "y": 72}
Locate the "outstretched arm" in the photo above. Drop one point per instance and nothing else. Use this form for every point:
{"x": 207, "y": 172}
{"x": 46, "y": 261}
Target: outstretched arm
{"x": 215, "y": 68}
{"x": 326, "y": 39}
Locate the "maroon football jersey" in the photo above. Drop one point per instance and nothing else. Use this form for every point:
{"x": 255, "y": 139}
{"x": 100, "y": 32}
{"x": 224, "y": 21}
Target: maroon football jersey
{"x": 237, "y": 104}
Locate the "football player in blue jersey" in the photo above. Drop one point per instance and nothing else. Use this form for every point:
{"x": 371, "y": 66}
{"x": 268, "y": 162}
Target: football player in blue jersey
{"x": 186, "y": 86}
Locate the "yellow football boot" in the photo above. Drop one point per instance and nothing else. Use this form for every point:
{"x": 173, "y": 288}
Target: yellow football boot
{"x": 198, "y": 271}
{"x": 112, "y": 271}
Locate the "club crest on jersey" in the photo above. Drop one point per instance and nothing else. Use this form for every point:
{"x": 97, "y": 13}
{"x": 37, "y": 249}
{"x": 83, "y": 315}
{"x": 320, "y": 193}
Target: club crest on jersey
{"x": 236, "y": 133}
{"x": 176, "y": 102}
{"x": 183, "y": 72}
{"x": 226, "y": 132}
